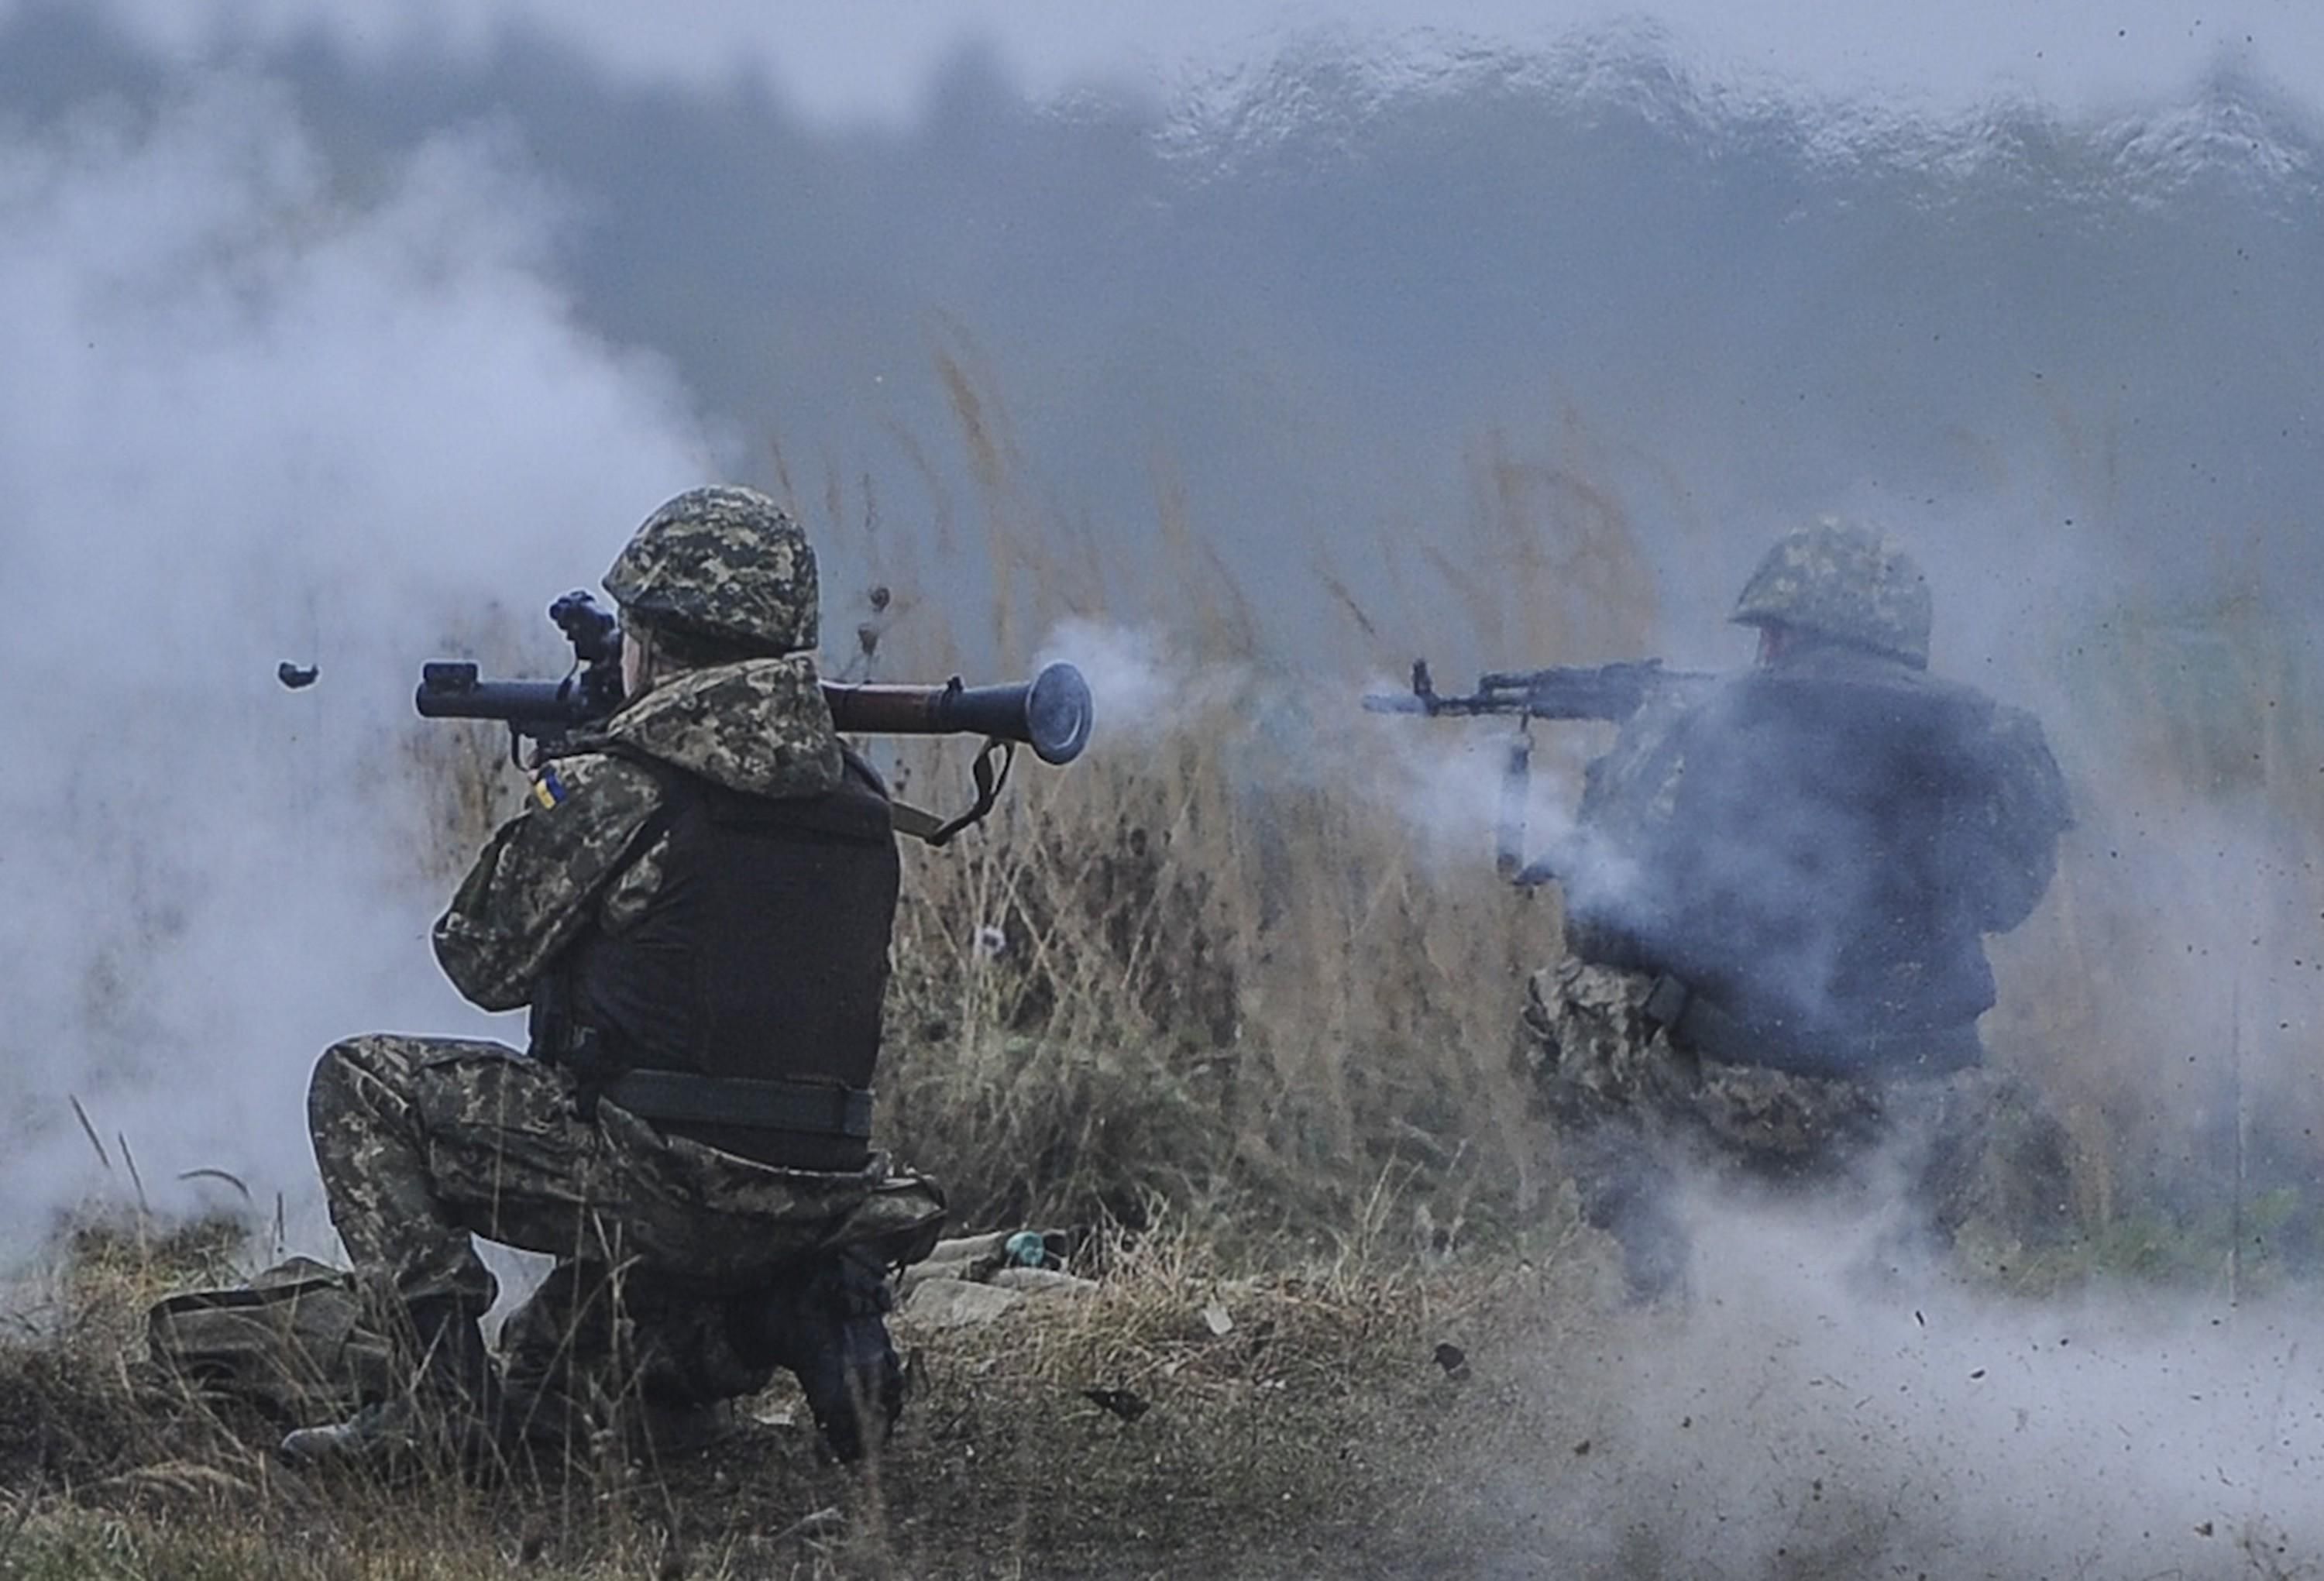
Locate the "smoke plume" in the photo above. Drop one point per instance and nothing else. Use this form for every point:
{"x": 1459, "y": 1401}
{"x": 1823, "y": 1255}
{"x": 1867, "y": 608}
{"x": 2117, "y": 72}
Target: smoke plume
{"x": 253, "y": 417}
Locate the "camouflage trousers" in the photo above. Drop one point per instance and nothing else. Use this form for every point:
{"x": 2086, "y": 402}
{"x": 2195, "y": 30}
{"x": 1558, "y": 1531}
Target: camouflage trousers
{"x": 1632, "y": 1109}
{"x": 426, "y": 1142}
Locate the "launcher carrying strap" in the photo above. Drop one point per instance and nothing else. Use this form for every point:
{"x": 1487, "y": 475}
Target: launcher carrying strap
{"x": 990, "y": 773}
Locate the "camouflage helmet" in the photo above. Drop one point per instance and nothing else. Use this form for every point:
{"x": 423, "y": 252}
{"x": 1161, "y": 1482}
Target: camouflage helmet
{"x": 1840, "y": 580}
{"x": 726, "y": 563}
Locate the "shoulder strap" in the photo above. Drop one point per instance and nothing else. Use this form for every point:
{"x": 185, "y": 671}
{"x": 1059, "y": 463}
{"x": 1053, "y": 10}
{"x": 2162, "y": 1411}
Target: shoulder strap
{"x": 990, "y": 773}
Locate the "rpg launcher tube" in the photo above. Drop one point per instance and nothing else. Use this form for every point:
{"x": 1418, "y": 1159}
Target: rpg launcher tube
{"x": 451, "y": 690}
{"x": 1051, "y": 712}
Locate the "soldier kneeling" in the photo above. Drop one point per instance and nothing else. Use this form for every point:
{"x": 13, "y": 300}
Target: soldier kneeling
{"x": 696, "y": 903}
{"x": 1777, "y": 909}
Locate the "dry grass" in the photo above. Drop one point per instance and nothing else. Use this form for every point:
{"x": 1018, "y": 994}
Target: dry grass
{"x": 2162, "y": 997}
{"x": 1287, "y": 1416}
{"x": 1132, "y": 987}
{"x": 1201, "y": 965}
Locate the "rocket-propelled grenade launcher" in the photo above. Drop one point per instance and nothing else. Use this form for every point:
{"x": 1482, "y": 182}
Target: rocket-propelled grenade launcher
{"x": 1051, "y": 714}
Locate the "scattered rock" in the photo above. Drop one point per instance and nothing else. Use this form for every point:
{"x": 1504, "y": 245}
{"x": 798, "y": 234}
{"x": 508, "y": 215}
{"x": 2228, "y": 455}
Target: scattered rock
{"x": 957, "y": 1303}
{"x": 1042, "y": 1280}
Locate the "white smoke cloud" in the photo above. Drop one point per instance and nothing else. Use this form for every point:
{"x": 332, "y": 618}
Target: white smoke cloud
{"x": 1456, "y": 786}
{"x": 1141, "y": 687}
{"x": 252, "y": 416}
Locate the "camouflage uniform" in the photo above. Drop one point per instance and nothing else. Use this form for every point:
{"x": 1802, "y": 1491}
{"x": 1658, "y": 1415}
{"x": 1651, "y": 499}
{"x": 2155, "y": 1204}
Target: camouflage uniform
{"x": 1879, "y": 1061}
{"x": 1633, "y": 1106}
{"x": 423, "y": 1142}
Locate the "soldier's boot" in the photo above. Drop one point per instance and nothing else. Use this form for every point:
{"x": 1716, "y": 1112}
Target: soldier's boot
{"x": 450, "y": 1418}
{"x": 830, "y": 1329}
{"x": 557, "y": 1372}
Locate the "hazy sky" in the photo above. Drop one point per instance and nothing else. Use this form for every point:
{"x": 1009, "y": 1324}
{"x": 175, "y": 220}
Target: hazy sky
{"x": 869, "y": 59}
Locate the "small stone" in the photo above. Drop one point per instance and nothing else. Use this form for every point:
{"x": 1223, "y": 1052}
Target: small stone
{"x": 957, "y": 1303}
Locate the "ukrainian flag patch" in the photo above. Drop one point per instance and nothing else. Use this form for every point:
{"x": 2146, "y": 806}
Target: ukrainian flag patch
{"x": 547, "y": 788}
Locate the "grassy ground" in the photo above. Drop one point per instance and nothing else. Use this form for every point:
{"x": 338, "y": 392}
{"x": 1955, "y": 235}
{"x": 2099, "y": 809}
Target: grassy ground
{"x": 1296, "y": 1422}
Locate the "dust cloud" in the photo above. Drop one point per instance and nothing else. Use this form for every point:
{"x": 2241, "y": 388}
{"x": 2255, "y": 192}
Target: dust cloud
{"x": 1816, "y": 1409}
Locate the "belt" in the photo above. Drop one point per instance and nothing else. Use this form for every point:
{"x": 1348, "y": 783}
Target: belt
{"x": 1712, "y": 1031}
{"x": 820, "y": 1109}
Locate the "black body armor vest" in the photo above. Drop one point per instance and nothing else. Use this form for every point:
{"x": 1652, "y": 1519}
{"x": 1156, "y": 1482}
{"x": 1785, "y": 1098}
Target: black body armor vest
{"x": 762, "y": 958}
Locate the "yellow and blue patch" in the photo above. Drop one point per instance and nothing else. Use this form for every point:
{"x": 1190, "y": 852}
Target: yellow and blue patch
{"x": 547, "y": 788}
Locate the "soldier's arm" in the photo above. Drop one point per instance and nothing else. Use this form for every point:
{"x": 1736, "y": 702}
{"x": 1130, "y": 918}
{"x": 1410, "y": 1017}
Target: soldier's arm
{"x": 2028, "y": 810}
{"x": 533, "y": 889}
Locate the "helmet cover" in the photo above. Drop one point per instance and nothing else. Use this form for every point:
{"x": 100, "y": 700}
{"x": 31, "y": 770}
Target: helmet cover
{"x": 1844, "y": 580}
{"x": 726, "y": 563}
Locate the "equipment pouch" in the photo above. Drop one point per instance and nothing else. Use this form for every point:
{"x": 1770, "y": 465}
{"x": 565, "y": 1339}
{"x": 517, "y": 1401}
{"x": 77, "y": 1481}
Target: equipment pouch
{"x": 293, "y": 1342}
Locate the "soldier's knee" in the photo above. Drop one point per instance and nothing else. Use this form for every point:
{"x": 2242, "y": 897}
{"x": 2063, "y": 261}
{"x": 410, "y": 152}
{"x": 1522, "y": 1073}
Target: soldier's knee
{"x": 334, "y": 1075}
{"x": 357, "y": 1075}
{"x": 341, "y": 1069}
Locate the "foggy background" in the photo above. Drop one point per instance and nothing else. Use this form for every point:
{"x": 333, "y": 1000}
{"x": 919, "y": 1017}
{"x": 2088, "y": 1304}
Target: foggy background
{"x": 353, "y": 337}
